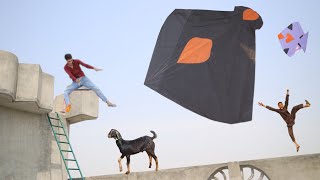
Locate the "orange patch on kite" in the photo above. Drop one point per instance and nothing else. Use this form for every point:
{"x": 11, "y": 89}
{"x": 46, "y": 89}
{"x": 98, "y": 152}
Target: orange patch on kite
{"x": 289, "y": 38}
{"x": 197, "y": 50}
{"x": 280, "y": 36}
{"x": 250, "y": 15}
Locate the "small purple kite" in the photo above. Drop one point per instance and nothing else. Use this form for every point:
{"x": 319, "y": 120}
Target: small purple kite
{"x": 292, "y": 39}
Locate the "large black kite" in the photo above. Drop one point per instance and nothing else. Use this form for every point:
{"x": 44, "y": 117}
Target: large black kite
{"x": 205, "y": 61}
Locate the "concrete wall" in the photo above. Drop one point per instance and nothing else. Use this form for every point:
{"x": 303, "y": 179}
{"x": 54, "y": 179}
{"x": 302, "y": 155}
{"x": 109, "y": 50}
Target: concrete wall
{"x": 24, "y": 86}
{"x": 28, "y": 149}
{"x": 304, "y": 167}
{"x": 84, "y": 106}
{"x": 8, "y": 76}
{"x": 187, "y": 173}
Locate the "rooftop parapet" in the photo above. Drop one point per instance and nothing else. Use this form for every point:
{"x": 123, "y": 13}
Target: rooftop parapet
{"x": 24, "y": 86}
{"x": 84, "y": 105}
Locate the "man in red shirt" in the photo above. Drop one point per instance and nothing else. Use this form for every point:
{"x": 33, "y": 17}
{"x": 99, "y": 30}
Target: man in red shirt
{"x": 79, "y": 79}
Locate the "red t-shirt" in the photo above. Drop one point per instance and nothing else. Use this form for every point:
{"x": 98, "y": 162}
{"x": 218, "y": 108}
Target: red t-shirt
{"x": 76, "y": 71}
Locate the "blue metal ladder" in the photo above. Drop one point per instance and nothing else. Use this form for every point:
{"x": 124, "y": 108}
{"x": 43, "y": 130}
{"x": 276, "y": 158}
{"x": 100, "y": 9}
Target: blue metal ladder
{"x": 57, "y": 134}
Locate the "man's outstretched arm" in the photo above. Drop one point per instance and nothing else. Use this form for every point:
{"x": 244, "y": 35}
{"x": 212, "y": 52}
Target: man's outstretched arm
{"x": 88, "y": 66}
{"x": 84, "y": 64}
{"x": 268, "y": 107}
{"x": 287, "y": 100}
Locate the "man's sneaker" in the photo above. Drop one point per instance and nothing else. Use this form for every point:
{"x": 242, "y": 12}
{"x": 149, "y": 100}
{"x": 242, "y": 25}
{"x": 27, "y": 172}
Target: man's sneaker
{"x": 110, "y": 104}
{"x": 307, "y": 103}
{"x": 68, "y": 108}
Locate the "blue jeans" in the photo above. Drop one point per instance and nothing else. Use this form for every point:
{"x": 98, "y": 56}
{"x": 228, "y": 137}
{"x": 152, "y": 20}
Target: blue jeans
{"x": 86, "y": 83}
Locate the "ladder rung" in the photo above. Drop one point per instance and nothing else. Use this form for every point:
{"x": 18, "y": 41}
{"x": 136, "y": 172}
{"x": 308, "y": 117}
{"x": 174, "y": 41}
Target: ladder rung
{"x": 70, "y": 159}
{"x": 57, "y": 126}
{"x": 57, "y": 132}
{"x": 60, "y": 134}
{"x": 63, "y": 142}
{"x": 66, "y": 151}
{"x": 73, "y": 169}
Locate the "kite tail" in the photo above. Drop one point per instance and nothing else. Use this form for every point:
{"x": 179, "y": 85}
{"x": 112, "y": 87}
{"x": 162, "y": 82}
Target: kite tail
{"x": 154, "y": 135}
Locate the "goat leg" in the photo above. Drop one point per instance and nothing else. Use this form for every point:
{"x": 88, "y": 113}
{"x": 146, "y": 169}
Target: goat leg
{"x": 128, "y": 164}
{"x": 157, "y": 165}
{"x": 150, "y": 160}
{"x": 156, "y": 159}
{"x": 119, "y": 161}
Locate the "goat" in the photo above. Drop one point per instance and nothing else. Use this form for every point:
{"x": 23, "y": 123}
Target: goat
{"x": 128, "y": 148}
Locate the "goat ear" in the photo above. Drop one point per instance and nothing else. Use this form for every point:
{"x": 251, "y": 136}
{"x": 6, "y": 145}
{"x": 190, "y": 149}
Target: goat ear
{"x": 118, "y": 135}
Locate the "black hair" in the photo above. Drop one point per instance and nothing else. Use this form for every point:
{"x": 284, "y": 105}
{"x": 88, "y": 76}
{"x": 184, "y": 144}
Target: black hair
{"x": 68, "y": 56}
{"x": 279, "y": 103}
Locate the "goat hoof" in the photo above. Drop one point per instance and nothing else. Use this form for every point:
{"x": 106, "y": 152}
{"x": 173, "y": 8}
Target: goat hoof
{"x": 120, "y": 170}
{"x": 149, "y": 166}
{"x": 127, "y": 172}
{"x": 156, "y": 169}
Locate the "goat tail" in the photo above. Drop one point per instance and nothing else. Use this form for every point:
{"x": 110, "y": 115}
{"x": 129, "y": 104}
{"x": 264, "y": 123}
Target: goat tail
{"x": 154, "y": 135}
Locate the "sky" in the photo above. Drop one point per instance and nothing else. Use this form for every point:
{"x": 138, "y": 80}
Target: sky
{"x": 119, "y": 37}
